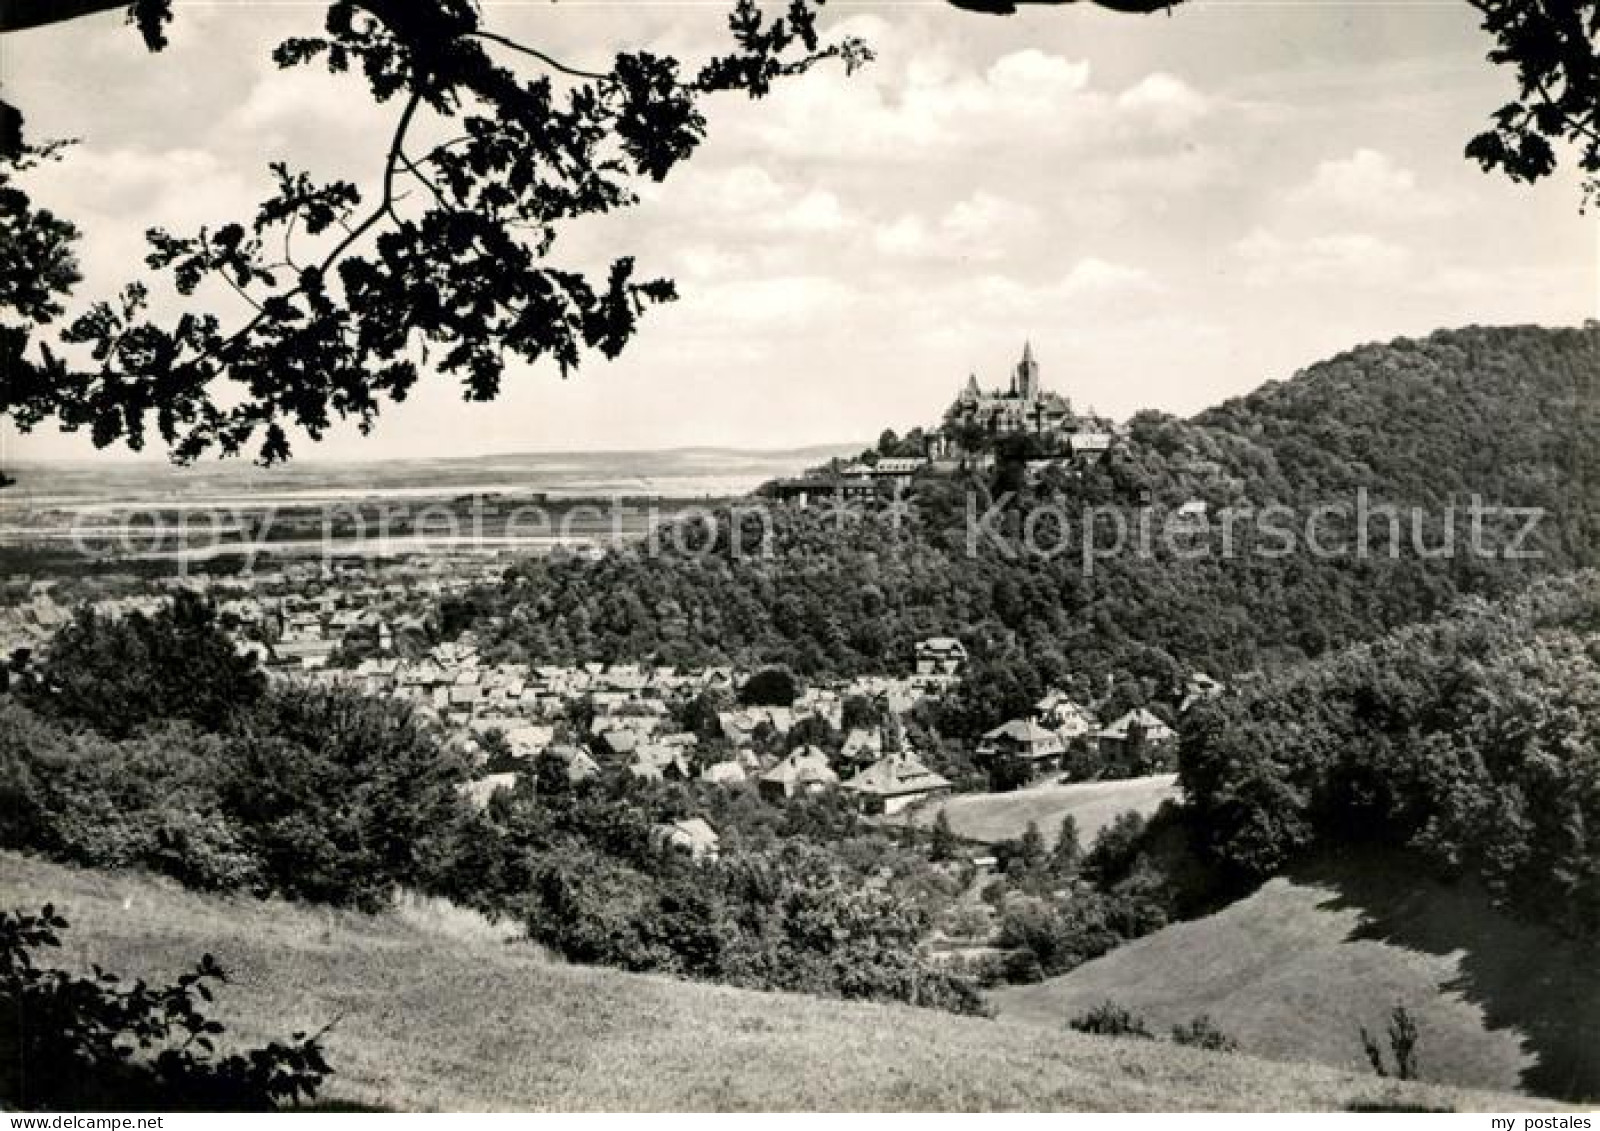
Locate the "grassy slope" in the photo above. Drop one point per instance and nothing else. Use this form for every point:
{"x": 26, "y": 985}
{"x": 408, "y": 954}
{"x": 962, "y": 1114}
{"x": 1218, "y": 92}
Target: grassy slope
{"x": 997, "y": 816}
{"x": 1297, "y": 968}
{"x": 437, "y": 1012}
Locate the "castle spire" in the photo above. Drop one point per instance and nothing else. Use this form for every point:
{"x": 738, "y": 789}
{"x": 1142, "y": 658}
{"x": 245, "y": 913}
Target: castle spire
{"x": 1026, "y": 381}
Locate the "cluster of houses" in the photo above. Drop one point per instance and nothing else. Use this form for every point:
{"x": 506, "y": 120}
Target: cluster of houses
{"x": 879, "y": 781}
{"x": 1134, "y": 743}
{"x": 596, "y": 718}
{"x": 888, "y": 784}
{"x": 28, "y": 622}
{"x": 294, "y": 618}
{"x": 297, "y": 619}
{"x": 880, "y": 784}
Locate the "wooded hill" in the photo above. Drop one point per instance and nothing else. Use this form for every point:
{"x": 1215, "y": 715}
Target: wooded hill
{"x": 1504, "y": 414}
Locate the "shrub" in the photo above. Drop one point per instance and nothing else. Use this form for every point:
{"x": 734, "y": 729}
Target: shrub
{"x": 1007, "y": 774}
{"x": 1202, "y": 1033}
{"x": 1403, "y": 1036}
{"x": 1036, "y": 927}
{"x": 1109, "y": 1019}
{"x": 110, "y": 1047}
{"x": 341, "y": 797}
{"x": 1115, "y": 849}
{"x": 118, "y": 674}
{"x": 1022, "y": 968}
{"x": 770, "y": 687}
{"x": 1067, "y": 857}
{"x": 309, "y": 794}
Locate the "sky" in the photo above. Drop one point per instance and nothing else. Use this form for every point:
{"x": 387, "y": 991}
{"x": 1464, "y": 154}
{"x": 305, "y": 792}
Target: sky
{"x": 1172, "y": 209}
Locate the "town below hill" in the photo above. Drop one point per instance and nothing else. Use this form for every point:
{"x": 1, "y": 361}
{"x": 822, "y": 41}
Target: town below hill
{"x": 861, "y": 763}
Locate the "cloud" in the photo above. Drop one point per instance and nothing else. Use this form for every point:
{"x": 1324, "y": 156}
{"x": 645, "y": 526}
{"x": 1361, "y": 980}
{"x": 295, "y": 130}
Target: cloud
{"x": 1088, "y": 283}
{"x": 1097, "y": 277}
{"x": 1353, "y": 258}
{"x": 1032, "y": 76}
{"x": 744, "y": 198}
{"x": 905, "y": 236}
{"x": 1370, "y": 185}
{"x": 706, "y": 261}
{"x": 934, "y": 105}
{"x": 1164, "y": 102}
{"x": 100, "y": 189}
{"x": 985, "y": 216}
{"x": 983, "y": 226}
{"x": 815, "y": 212}
{"x": 795, "y": 302}
{"x": 168, "y": 184}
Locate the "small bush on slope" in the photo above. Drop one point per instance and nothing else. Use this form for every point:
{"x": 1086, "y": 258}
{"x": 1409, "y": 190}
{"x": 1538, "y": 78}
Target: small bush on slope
{"x": 1108, "y": 1019}
{"x": 94, "y": 1044}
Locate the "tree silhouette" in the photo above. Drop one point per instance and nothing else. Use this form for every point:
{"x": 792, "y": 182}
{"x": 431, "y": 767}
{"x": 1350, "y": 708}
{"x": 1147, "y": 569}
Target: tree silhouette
{"x": 942, "y": 844}
{"x": 345, "y": 297}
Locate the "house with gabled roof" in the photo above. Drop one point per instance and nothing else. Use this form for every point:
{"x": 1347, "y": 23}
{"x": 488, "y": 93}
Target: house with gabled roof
{"x": 940, "y": 655}
{"x": 692, "y": 835}
{"x": 895, "y": 782}
{"x": 1139, "y": 742}
{"x": 801, "y": 771}
{"x": 579, "y": 765}
{"x": 1200, "y": 688}
{"x": 467, "y": 689}
{"x": 654, "y": 762}
{"x": 725, "y": 773}
{"x": 479, "y": 790}
{"x": 739, "y": 727}
{"x": 526, "y": 741}
{"x": 1025, "y": 741}
{"x": 1058, "y": 712}
{"x": 862, "y": 745}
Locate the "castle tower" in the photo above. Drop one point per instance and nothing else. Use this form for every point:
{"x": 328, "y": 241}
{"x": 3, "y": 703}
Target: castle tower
{"x": 1026, "y": 382}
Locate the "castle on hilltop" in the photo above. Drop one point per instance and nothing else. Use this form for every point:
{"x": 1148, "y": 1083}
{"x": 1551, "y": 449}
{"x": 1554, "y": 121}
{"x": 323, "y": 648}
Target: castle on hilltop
{"x": 1026, "y": 406}
{"x": 1025, "y": 421}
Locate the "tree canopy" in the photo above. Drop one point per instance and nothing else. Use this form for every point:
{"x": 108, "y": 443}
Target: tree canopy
{"x": 344, "y": 297}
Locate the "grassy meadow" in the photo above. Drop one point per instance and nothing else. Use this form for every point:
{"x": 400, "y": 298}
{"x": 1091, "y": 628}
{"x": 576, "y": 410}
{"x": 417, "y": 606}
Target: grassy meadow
{"x": 1297, "y": 968}
{"x": 990, "y": 817}
{"x": 435, "y": 1008}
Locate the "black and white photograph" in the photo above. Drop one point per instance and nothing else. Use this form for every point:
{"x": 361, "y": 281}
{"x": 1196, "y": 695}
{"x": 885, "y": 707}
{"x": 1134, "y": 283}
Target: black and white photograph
{"x": 799, "y": 556}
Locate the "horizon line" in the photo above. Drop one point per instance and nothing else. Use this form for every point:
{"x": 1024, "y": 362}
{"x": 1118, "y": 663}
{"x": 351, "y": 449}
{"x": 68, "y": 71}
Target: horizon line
{"x": 222, "y": 462}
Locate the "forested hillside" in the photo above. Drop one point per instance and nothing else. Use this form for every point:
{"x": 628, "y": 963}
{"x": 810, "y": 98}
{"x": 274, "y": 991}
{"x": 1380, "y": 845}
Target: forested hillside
{"x": 1472, "y": 743}
{"x": 1505, "y": 415}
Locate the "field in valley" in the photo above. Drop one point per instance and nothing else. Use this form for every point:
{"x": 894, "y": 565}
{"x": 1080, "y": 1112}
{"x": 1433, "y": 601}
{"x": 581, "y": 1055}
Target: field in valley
{"x": 435, "y": 1009}
{"x": 1297, "y": 968}
{"x": 989, "y": 817}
